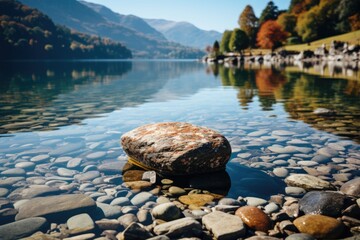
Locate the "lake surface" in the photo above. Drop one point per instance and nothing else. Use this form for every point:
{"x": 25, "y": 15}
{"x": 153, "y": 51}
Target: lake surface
{"x": 274, "y": 117}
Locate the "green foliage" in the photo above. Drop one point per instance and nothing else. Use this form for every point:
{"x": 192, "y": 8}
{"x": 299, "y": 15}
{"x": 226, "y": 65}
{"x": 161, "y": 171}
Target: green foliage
{"x": 249, "y": 23}
{"x": 270, "y": 12}
{"x": 224, "y": 44}
{"x": 349, "y": 15}
{"x": 238, "y": 40}
{"x": 26, "y": 33}
{"x": 288, "y": 22}
{"x": 319, "y": 22}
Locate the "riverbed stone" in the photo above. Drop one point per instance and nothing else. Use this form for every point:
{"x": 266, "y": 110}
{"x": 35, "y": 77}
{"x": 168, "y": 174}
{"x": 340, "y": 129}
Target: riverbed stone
{"x": 323, "y": 203}
{"x": 23, "y": 228}
{"x": 35, "y": 191}
{"x": 319, "y": 226}
{"x": 135, "y": 231}
{"x": 196, "y": 199}
{"x": 141, "y": 198}
{"x": 308, "y": 182}
{"x": 40, "y": 158}
{"x": 56, "y": 207}
{"x": 223, "y": 225}
{"x": 177, "y": 148}
{"x": 351, "y": 187}
{"x": 254, "y": 218}
{"x": 166, "y": 212}
{"x": 80, "y": 223}
{"x": 177, "y": 228}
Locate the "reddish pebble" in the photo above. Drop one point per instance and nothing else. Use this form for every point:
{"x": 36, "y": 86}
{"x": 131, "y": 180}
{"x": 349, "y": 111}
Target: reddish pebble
{"x": 254, "y": 218}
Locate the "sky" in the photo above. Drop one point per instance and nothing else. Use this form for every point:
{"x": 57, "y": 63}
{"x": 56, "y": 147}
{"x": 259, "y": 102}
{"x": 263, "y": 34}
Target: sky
{"x": 216, "y": 15}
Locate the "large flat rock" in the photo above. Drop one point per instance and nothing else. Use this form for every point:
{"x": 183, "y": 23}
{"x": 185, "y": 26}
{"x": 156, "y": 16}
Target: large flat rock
{"x": 176, "y": 148}
{"x": 56, "y": 207}
{"x": 23, "y": 228}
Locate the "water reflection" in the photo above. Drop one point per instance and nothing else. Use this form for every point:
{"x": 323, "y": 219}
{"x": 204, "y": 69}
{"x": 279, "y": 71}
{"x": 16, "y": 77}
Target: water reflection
{"x": 48, "y": 95}
{"x": 302, "y": 94}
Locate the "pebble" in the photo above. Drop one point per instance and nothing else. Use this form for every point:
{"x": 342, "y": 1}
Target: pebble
{"x": 23, "y": 228}
{"x": 281, "y": 172}
{"x": 121, "y": 201}
{"x": 127, "y": 219}
{"x": 295, "y": 191}
{"x": 74, "y": 163}
{"x": 134, "y": 231}
{"x": 176, "y": 228}
{"x": 108, "y": 211}
{"x": 254, "y": 218}
{"x": 323, "y": 203}
{"x": 87, "y": 176}
{"x": 196, "y": 199}
{"x": 96, "y": 155}
{"x": 13, "y": 172}
{"x": 232, "y": 229}
{"x": 254, "y": 201}
{"x": 58, "y": 207}
{"x": 176, "y": 191}
{"x": 25, "y": 165}
{"x": 319, "y": 226}
{"x": 80, "y": 223}
{"x": 351, "y": 187}
{"x": 141, "y": 198}
{"x": 271, "y": 208}
{"x": 166, "y": 212}
{"x": 308, "y": 182}
{"x": 4, "y": 192}
{"x": 64, "y": 172}
{"x": 108, "y": 224}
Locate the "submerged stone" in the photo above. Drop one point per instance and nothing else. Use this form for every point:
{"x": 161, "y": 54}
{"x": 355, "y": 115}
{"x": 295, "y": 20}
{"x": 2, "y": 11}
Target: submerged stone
{"x": 324, "y": 203}
{"x": 177, "y": 148}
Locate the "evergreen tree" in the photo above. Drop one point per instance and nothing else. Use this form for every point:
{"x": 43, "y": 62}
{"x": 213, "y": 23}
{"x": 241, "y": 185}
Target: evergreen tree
{"x": 249, "y": 23}
{"x": 270, "y": 12}
{"x": 224, "y": 44}
{"x": 238, "y": 40}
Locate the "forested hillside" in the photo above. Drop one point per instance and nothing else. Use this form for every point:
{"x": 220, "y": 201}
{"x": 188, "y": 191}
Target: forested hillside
{"x": 26, "y": 33}
{"x": 98, "y": 20}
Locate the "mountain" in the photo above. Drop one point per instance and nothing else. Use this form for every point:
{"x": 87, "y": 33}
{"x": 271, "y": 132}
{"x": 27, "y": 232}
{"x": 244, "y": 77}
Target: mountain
{"x": 185, "y": 33}
{"x": 130, "y": 21}
{"x": 26, "y": 33}
{"x": 144, "y": 43}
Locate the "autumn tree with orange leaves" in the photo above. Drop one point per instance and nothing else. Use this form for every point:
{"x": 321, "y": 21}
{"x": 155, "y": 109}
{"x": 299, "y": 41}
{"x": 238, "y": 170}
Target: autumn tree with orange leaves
{"x": 271, "y": 35}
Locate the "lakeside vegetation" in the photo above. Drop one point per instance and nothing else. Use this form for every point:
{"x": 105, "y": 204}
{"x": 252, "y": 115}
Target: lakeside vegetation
{"x": 305, "y": 21}
{"x": 26, "y": 33}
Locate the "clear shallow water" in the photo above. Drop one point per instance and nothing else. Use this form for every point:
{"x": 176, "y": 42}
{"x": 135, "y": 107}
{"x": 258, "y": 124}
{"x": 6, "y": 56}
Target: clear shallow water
{"x": 49, "y": 106}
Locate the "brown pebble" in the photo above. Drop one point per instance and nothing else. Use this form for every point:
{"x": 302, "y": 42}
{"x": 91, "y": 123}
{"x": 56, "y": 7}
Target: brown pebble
{"x": 254, "y": 218}
{"x": 319, "y": 226}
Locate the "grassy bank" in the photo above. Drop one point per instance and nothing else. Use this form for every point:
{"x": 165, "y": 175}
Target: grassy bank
{"x": 351, "y": 38}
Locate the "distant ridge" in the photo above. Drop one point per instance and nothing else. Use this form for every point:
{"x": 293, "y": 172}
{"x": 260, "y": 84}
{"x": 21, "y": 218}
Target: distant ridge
{"x": 133, "y": 32}
{"x": 185, "y": 33}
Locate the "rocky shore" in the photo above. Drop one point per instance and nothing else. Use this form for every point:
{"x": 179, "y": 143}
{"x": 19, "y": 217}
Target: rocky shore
{"x": 82, "y": 187}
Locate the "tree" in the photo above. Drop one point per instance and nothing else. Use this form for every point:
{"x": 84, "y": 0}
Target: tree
{"x": 238, "y": 40}
{"x": 287, "y": 21}
{"x": 319, "y": 22}
{"x": 300, "y": 6}
{"x": 349, "y": 15}
{"x": 216, "y": 49}
{"x": 271, "y": 35}
{"x": 249, "y": 23}
{"x": 224, "y": 44}
{"x": 270, "y": 12}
